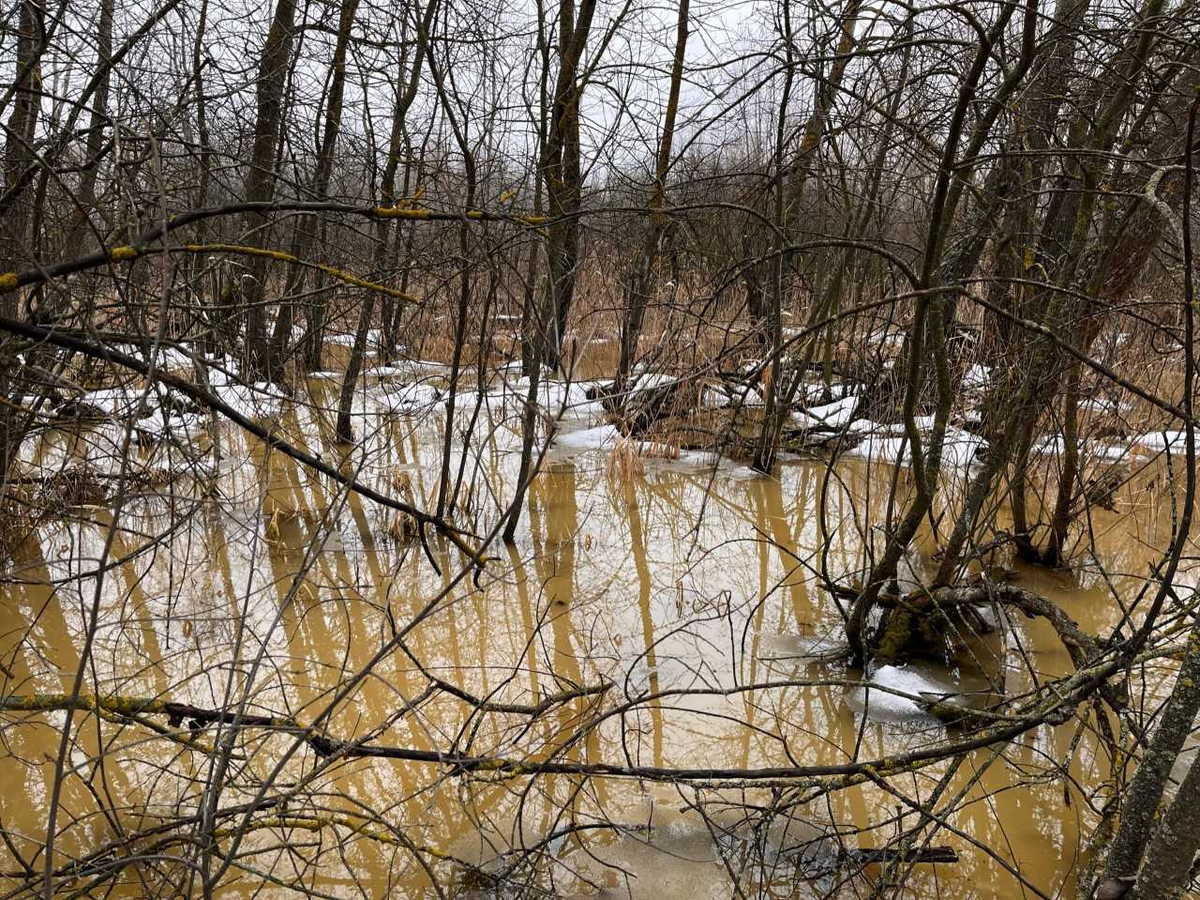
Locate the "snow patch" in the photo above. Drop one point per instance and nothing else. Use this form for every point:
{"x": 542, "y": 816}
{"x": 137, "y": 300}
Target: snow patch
{"x": 886, "y": 705}
{"x": 745, "y": 473}
{"x": 960, "y": 450}
{"x": 1055, "y": 445}
{"x": 1157, "y": 441}
{"x": 647, "y": 381}
{"x": 256, "y": 401}
{"x": 977, "y": 377}
{"x": 165, "y": 358}
{"x": 832, "y": 415}
{"x": 116, "y": 401}
{"x": 667, "y": 457}
{"x": 599, "y": 438}
{"x": 558, "y": 397}
{"x": 723, "y": 396}
{"x": 1104, "y": 405}
{"x": 404, "y": 398}
{"x": 157, "y": 425}
{"x": 347, "y": 340}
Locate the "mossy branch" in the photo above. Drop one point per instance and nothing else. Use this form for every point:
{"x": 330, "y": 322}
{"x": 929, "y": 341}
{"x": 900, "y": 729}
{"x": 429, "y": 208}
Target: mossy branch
{"x": 11, "y": 281}
{"x": 1054, "y": 705}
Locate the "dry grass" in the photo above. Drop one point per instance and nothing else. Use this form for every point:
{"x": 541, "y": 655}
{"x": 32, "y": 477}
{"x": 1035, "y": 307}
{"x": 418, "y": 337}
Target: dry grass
{"x": 403, "y": 528}
{"x": 624, "y": 463}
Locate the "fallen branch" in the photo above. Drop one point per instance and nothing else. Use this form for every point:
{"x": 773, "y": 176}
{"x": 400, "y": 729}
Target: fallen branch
{"x": 1080, "y": 645}
{"x": 1054, "y": 705}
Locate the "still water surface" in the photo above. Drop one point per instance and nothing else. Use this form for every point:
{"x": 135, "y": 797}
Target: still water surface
{"x": 262, "y": 580}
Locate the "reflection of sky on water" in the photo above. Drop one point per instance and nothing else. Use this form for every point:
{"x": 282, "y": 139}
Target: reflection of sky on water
{"x": 683, "y": 577}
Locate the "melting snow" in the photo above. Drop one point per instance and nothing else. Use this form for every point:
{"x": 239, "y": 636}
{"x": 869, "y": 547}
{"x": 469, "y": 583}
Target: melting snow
{"x": 832, "y": 415}
{"x": 116, "y": 401}
{"x": 745, "y": 473}
{"x": 959, "y": 451}
{"x": 890, "y": 429}
{"x": 179, "y": 424}
{"x": 1104, "y": 405}
{"x": 347, "y": 340}
{"x": 404, "y": 398}
{"x": 388, "y": 372}
{"x": 1155, "y": 441}
{"x": 668, "y": 457}
{"x": 977, "y": 377}
{"x": 736, "y": 395}
{"x": 890, "y": 707}
{"x": 1055, "y": 445}
{"x": 571, "y": 400}
{"x": 598, "y": 438}
{"x": 647, "y": 381}
{"x": 256, "y": 401}
{"x": 814, "y": 391}
{"x": 166, "y": 357}
{"x": 889, "y": 340}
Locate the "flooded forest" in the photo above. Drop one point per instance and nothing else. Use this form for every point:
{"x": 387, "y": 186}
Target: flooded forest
{"x": 599, "y": 449}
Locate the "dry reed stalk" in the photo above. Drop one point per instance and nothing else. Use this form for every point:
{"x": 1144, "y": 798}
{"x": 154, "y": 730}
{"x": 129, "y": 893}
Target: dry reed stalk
{"x": 624, "y": 462}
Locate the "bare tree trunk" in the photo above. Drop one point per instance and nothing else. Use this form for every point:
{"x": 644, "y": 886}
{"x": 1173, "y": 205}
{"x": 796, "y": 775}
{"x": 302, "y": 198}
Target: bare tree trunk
{"x": 530, "y": 325}
{"x": 825, "y": 91}
{"x": 768, "y": 442}
{"x": 208, "y": 311}
{"x": 305, "y": 226}
{"x": 1120, "y": 255}
{"x": 859, "y": 228}
{"x": 15, "y": 236}
{"x": 259, "y": 183}
{"x": 789, "y": 191}
{"x": 404, "y": 100}
{"x": 1144, "y": 795}
{"x": 1010, "y": 189}
{"x": 928, "y": 322}
{"x": 19, "y": 139}
{"x": 398, "y": 144}
{"x": 446, "y": 500}
{"x": 97, "y": 122}
{"x": 561, "y": 170}
{"x": 531, "y": 366}
{"x": 642, "y": 272}
{"x": 1171, "y": 851}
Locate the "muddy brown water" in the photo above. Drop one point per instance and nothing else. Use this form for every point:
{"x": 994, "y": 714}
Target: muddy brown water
{"x": 661, "y": 574}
